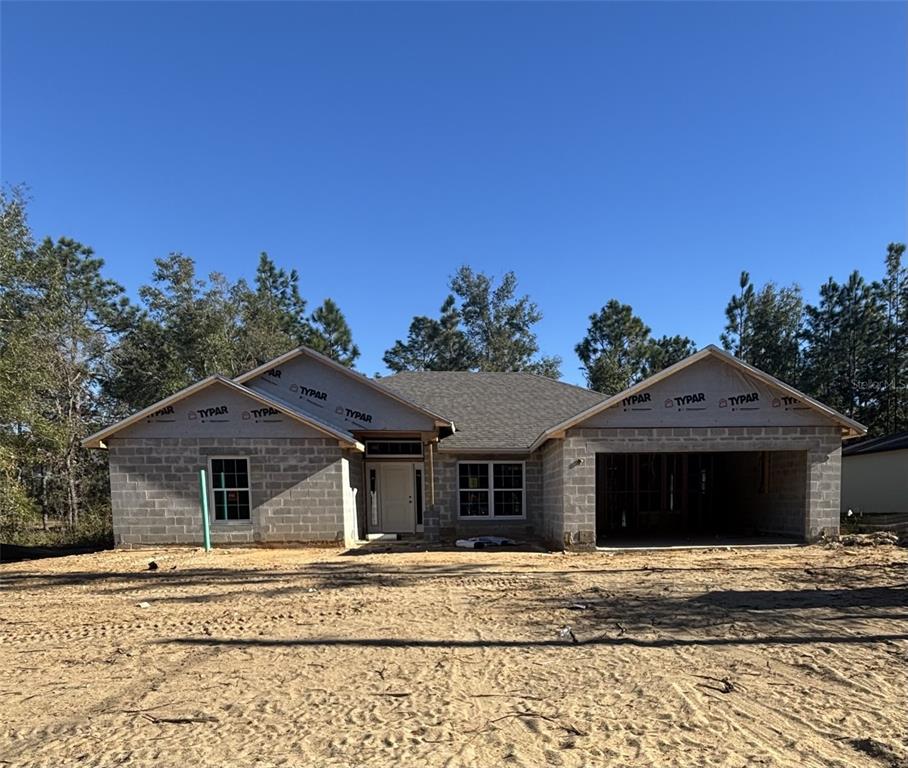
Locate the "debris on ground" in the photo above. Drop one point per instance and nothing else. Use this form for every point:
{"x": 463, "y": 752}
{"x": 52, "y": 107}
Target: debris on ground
{"x": 875, "y": 539}
{"x": 481, "y": 542}
{"x": 143, "y": 604}
{"x": 152, "y": 566}
{"x": 566, "y": 633}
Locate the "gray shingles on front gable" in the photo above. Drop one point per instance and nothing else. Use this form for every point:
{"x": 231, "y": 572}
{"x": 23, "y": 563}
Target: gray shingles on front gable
{"x": 493, "y": 411}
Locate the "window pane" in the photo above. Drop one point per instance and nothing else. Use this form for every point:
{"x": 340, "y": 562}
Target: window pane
{"x": 229, "y": 473}
{"x": 474, "y": 476}
{"x": 508, "y": 503}
{"x": 220, "y": 505}
{"x": 394, "y": 448}
{"x": 474, "y": 504}
{"x": 217, "y": 472}
{"x": 508, "y": 475}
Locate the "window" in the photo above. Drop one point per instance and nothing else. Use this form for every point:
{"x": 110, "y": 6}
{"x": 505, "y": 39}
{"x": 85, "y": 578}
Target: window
{"x": 418, "y": 479}
{"x": 230, "y": 489}
{"x": 393, "y": 448}
{"x": 491, "y": 489}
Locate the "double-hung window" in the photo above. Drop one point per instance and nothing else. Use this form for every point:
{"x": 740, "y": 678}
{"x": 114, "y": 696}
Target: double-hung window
{"x": 230, "y": 489}
{"x": 491, "y": 489}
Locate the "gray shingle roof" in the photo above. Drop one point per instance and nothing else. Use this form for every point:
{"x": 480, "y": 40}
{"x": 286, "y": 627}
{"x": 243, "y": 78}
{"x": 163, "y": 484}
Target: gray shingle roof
{"x": 493, "y": 411}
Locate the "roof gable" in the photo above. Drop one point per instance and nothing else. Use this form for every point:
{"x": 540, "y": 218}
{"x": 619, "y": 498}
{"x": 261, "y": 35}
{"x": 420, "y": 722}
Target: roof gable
{"x": 219, "y": 407}
{"x": 709, "y": 388}
{"x": 312, "y": 383}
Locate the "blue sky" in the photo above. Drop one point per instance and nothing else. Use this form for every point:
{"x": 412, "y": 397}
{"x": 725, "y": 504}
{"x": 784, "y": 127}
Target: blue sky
{"x": 646, "y": 152}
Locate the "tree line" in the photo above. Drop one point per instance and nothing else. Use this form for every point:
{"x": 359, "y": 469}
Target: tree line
{"x": 849, "y": 350}
{"x": 76, "y": 353}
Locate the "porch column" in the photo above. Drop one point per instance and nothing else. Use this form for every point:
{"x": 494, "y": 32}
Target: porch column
{"x": 431, "y": 516}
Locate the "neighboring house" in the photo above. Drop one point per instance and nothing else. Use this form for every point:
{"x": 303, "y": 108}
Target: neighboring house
{"x": 875, "y": 476}
{"x": 302, "y": 449}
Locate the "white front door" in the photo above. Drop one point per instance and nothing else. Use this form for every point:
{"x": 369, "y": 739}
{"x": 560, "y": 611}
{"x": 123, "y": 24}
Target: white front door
{"x": 395, "y": 489}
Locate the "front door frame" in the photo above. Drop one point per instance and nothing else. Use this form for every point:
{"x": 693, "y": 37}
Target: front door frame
{"x": 374, "y": 521}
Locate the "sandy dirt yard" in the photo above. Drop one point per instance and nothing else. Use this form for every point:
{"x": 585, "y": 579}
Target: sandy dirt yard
{"x": 301, "y": 657}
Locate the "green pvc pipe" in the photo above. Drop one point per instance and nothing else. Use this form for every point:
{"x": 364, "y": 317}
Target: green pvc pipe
{"x": 203, "y": 499}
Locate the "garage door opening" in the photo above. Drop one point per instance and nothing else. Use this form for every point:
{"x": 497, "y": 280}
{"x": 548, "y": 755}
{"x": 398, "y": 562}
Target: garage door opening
{"x": 700, "y": 498}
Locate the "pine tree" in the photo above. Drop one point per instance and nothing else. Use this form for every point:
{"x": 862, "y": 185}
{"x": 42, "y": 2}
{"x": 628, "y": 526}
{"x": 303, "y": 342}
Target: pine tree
{"x": 765, "y": 328}
{"x": 187, "y": 329}
{"x": 845, "y": 336}
{"x": 433, "y": 345}
{"x": 273, "y": 316}
{"x": 666, "y": 351}
{"x": 482, "y": 327}
{"x": 330, "y": 334}
{"x": 894, "y": 298}
{"x": 616, "y": 349}
{"x": 739, "y": 317}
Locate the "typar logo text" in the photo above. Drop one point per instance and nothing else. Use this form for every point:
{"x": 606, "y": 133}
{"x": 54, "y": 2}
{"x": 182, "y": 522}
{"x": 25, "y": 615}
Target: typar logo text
{"x": 262, "y": 415}
{"x": 640, "y": 402}
{"x": 212, "y": 415}
{"x": 352, "y": 415}
{"x": 693, "y": 401}
{"x": 310, "y": 394}
{"x": 747, "y": 401}
{"x": 789, "y": 403}
{"x": 272, "y": 376}
{"x": 161, "y": 415}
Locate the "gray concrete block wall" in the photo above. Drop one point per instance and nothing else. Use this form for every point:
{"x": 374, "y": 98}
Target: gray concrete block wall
{"x": 822, "y": 446}
{"x": 447, "y": 499}
{"x": 552, "y": 454}
{"x": 296, "y": 490}
{"x": 777, "y": 508}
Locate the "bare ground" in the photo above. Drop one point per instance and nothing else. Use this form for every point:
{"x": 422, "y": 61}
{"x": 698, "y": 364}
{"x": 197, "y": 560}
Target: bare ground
{"x": 316, "y": 658}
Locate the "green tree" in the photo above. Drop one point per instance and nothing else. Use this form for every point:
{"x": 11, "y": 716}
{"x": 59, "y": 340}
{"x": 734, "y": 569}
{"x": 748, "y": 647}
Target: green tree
{"x": 498, "y": 324}
{"x": 18, "y": 337}
{"x": 893, "y": 291}
{"x": 844, "y": 364}
{"x": 737, "y": 336}
{"x": 81, "y": 313}
{"x": 330, "y": 334}
{"x": 433, "y": 345}
{"x": 187, "y": 329}
{"x": 273, "y": 315}
{"x": 765, "y": 328}
{"x": 666, "y": 351}
{"x": 60, "y": 316}
{"x": 616, "y": 350}
{"x": 482, "y": 327}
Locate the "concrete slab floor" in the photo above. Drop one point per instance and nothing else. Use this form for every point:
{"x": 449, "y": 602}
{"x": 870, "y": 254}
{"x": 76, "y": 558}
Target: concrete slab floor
{"x": 697, "y": 542}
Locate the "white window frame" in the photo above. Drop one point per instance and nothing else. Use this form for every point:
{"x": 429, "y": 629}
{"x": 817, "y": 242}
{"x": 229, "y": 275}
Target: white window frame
{"x": 491, "y": 490}
{"x": 212, "y": 510}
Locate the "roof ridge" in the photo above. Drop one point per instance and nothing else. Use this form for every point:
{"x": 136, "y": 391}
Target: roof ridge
{"x": 531, "y": 374}
{"x": 564, "y": 383}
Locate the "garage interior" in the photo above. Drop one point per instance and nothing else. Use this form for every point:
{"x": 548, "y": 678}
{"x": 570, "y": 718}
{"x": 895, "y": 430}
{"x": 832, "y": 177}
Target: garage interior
{"x": 743, "y": 497}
